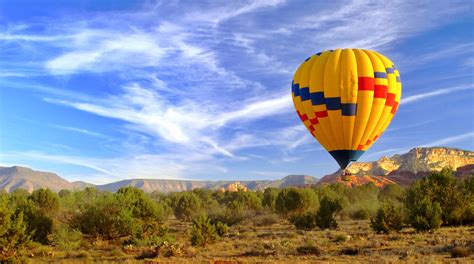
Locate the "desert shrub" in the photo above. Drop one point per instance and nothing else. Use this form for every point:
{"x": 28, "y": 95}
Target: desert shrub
{"x": 40, "y": 223}
{"x": 63, "y": 193}
{"x": 389, "y": 217}
{"x": 360, "y": 214}
{"x": 242, "y": 201}
{"x": 460, "y": 252}
{"x": 65, "y": 238}
{"x": 466, "y": 188}
{"x": 39, "y": 211}
{"x": 203, "y": 232}
{"x": 188, "y": 206}
{"x": 426, "y": 215}
{"x": 341, "y": 238}
{"x": 391, "y": 192}
{"x": 265, "y": 220}
{"x": 306, "y": 221}
{"x": 147, "y": 254}
{"x": 106, "y": 217}
{"x": 440, "y": 188}
{"x": 294, "y": 201}
{"x": 269, "y": 198}
{"x": 234, "y": 213}
{"x": 222, "y": 229}
{"x": 350, "y": 251}
{"x": 208, "y": 202}
{"x": 147, "y": 214}
{"x": 150, "y": 241}
{"x": 46, "y": 200}
{"x": 13, "y": 230}
{"x": 308, "y": 249}
{"x": 325, "y": 215}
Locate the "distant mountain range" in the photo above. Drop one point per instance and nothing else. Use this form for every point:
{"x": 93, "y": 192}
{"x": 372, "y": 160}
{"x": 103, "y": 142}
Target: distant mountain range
{"x": 17, "y": 177}
{"x": 399, "y": 169}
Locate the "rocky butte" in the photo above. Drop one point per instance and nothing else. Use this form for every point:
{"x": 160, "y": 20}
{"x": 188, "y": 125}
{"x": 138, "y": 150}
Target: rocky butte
{"x": 405, "y": 168}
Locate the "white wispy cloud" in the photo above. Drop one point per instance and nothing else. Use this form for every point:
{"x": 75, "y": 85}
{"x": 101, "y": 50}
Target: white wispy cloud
{"x": 221, "y": 14}
{"x": 109, "y": 53}
{"x": 418, "y": 97}
{"x": 451, "y": 139}
{"x": 80, "y": 130}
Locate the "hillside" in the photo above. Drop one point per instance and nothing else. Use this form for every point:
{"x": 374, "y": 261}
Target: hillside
{"x": 17, "y": 177}
{"x": 405, "y": 168}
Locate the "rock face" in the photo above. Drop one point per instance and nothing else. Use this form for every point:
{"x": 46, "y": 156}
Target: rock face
{"x": 405, "y": 168}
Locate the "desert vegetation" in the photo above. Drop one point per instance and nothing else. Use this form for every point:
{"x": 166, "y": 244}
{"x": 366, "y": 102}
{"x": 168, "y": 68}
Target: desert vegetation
{"x": 430, "y": 220}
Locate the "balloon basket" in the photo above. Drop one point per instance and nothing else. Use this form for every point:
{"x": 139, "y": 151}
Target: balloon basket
{"x": 345, "y": 175}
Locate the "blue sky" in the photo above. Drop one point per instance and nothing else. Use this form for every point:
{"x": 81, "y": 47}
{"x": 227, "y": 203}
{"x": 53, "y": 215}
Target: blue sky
{"x": 106, "y": 90}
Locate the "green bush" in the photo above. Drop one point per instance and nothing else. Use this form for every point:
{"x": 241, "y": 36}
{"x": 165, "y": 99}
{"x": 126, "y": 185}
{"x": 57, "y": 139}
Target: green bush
{"x": 438, "y": 188}
{"x": 306, "y": 221}
{"x": 40, "y": 211}
{"x": 147, "y": 214}
{"x": 269, "y": 198}
{"x": 460, "y": 252}
{"x": 222, "y": 229}
{"x": 66, "y": 239}
{"x": 466, "y": 188}
{"x": 248, "y": 201}
{"x": 188, "y": 206}
{"x": 360, "y": 214}
{"x": 391, "y": 192}
{"x": 265, "y": 220}
{"x": 388, "y": 218}
{"x": 426, "y": 215}
{"x": 46, "y": 200}
{"x": 203, "y": 232}
{"x": 308, "y": 249}
{"x": 325, "y": 215}
{"x": 13, "y": 230}
{"x": 107, "y": 218}
{"x": 294, "y": 201}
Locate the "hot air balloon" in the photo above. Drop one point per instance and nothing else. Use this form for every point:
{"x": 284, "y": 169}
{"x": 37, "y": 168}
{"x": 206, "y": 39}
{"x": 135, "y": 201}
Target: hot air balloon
{"x": 346, "y": 98}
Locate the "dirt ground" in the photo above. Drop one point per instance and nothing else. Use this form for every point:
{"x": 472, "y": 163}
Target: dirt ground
{"x": 352, "y": 242}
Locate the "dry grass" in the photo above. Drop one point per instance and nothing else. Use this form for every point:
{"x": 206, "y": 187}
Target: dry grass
{"x": 279, "y": 242}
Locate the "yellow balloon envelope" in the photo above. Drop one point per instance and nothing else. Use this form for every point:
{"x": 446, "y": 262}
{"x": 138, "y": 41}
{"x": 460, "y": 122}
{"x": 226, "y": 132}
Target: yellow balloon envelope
{"x": 346, "y": 98}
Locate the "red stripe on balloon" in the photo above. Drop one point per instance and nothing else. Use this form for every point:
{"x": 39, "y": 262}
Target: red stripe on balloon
{"x": 302, "y": 117}
{"x": 394, "y": 107}
{"x": 321, "y": 114}
{"x": 380, "y": 91}
{"x": 390, "y": 99}
{"x": 314, "y": 121}
{"x": 366, "y": 84}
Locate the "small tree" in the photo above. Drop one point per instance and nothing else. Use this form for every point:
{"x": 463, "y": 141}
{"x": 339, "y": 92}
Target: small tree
{"x": 187, "y": 206}
{"x": 391, "y": 192}
{"x": 203, "y": 232}
{"x": 325, "y": 215}
{"x": 442, "y": 188}
{"x": 13, "y": 230}
{"x": 294, "y": 201}
{"x": 106, "y": 217}
{"x": 45, "y": 200}
{"x": 388, "y": 218}
{"x": 306, "y": 221}
{"x": 269, "y": 198}
{"x": 426, "y": 215}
